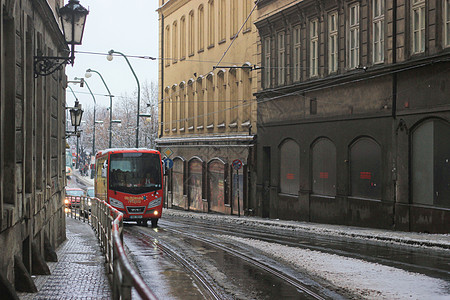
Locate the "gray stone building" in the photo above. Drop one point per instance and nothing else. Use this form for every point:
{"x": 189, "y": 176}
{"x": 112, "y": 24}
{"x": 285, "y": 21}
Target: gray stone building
{"x": 354, "y": 112}
{"x": 32, "y": 143}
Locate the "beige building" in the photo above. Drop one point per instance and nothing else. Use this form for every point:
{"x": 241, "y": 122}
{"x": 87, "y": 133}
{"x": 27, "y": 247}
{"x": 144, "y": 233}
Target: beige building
{"x": 207, "y": 110}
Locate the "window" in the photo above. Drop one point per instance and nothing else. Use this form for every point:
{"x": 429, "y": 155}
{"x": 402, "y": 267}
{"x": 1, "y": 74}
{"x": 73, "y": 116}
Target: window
{"x": 233, "y": 103}
{"x": 365, "y": 169}
{"x": 245, "y": 15}
{"x": 182, "y": 102}
{"x": 222, "y": 20}
{"x": 200, "y": 112}
{"x": 191, "y": 33}
{"x": 378, "y": 30}
{"x": 210, "y": 100}
{"x": 174, "y": 41}
{"x": 212, "y": 23}
{"x": 324, "y": 168}
{"x": 167, "y": 49}
{"x": 332, "y": 42}
{"x": 174, "y": 103}
{"x": 234, "y": 17}
{"x": 431, "y": 163}
{"x": 247, "y": 91}
{"x": 418, "y": 25}
{"x": 446, "y": 15}
{"x": 190, "y": 105}
{"x": 267, "y": 66}
{"x": 201, "y": 28}
{"x": 314, "y": 48}
{"x": 297, "y": 53}
{"x": 167, "y": 103}
{"x": 353, "y": 36}
{"x": 289, "y": 168}
{"x": 183, "y": 38}
{"x": 281, "y": 59}
{"x": 216, "y": 186}
{"x": 221, "y": 87}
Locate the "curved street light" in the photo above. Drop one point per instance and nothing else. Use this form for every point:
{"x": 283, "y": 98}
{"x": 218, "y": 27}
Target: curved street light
{"x": 88, "y": 75}
{"x": 110, "y": 58}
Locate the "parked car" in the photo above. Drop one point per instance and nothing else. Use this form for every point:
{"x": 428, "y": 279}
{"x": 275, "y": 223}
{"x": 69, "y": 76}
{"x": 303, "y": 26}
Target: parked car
{"x": 73, "y": 197}
{"x": 90, "y": 192}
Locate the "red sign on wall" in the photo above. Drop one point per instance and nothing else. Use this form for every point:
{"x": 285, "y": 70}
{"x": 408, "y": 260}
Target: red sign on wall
{"x": 290, "y": 176}
{"x": 365, "y": 175}
{"x": 323, "y": 175}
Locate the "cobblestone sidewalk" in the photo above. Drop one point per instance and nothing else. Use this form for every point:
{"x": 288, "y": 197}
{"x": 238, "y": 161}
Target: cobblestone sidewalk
{"x": 79, "y": 273}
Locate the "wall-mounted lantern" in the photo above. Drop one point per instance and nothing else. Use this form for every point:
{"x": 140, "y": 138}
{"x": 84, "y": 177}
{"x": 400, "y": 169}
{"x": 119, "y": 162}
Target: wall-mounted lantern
{"x": 76, "y": 113}
{"x": 73, "y": 19}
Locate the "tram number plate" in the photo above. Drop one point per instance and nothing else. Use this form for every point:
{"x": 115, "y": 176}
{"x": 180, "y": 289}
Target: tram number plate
{"x": 135, "y": 217}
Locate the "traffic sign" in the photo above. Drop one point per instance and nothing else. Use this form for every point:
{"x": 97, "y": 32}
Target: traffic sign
{"x": 167, "y": 152}
{"x": 168, "y": 163}
{"x": 237, "y": 164}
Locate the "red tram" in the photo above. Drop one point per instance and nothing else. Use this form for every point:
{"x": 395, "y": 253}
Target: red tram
{"x": 131, "y": 180}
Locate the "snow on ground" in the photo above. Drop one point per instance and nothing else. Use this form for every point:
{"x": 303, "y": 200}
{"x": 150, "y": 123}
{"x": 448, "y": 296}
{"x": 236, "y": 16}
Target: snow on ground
{"x": 365, "y": 279}
{"x": 394, "y": 237}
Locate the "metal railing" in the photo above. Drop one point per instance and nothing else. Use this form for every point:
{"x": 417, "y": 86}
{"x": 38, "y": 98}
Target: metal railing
{"x": 107, "y": 222}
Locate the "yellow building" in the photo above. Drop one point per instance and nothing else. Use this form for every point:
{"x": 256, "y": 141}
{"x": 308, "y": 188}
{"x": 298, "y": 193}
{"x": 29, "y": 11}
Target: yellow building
{"x": 207, "y": 110}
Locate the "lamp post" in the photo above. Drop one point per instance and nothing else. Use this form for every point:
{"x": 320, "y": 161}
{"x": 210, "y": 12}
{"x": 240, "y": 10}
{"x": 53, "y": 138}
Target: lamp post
{"x": 88, "y": 75}
{"x": 95, "y": 104}
{"x": 73, "y": 19}
{"x": 110, "y": 58}
{"x": 76, "y": 114}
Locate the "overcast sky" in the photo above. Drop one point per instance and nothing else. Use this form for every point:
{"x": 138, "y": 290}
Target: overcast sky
{"x": 130, "y": 27}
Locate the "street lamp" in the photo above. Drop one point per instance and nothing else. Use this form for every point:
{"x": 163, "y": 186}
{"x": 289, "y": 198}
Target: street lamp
{"x": 76, "y": 113}
{"x": 88, "y": 75}
{"x": 95, "y": 104}
{"x": 73, "y": 19}
{"x": 110, "y": 58}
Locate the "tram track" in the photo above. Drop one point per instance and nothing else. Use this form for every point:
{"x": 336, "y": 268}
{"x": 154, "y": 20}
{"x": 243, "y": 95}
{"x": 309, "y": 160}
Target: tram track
{"x": 208, "y": 289}
{"x": 201, "y": 278}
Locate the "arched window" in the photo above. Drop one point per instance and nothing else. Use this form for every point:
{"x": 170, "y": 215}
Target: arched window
{"x": 210, "y": 100}
{"x": 190, "y": 96}
{"x": 324, "y": 168}
{"x": 200, "y": 98}
{"x": 183, "y": 38}
{"x": 221, "y": 97}
{"x": 178, "y": 182}
{"x": 191, "y": 33}
{"x": 216, "y": 186}
{"x": 167, "y": 49}
{"x": 195, "y": 184}
{"x": 289, "y": 167}
{"x": 222, "y": 20}
{"x": 365, "y": 169}
{"x": 233, "y": 103}
{"x": 247, "y": 92}
{"x": 201, "y": 28}
{"x": 174, "y": 104}
{"x": 166, "y": 104}
{"x": 431, "y": 163}
{"x": 211, "y": 23}
{"x": 175, "y": 41}
{"x": 182, "y": 104}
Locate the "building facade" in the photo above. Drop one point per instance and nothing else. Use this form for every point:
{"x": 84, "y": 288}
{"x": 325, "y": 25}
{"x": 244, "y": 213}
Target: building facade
{"x": 354, "y": 112}
{"x": 207, "y": 110}
{"x": 32, "y": 143}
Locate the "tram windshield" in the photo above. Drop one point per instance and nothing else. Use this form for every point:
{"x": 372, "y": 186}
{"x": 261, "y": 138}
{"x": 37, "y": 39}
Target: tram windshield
{"x": 135, "y": 173}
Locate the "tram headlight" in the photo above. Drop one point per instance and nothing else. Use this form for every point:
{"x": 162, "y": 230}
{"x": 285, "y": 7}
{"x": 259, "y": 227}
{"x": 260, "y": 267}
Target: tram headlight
{"x": 156, "y": 212}
{"x": 116, "y": 203}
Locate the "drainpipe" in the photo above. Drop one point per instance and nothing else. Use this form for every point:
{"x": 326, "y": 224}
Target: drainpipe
{"x": 162, "y": 75}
